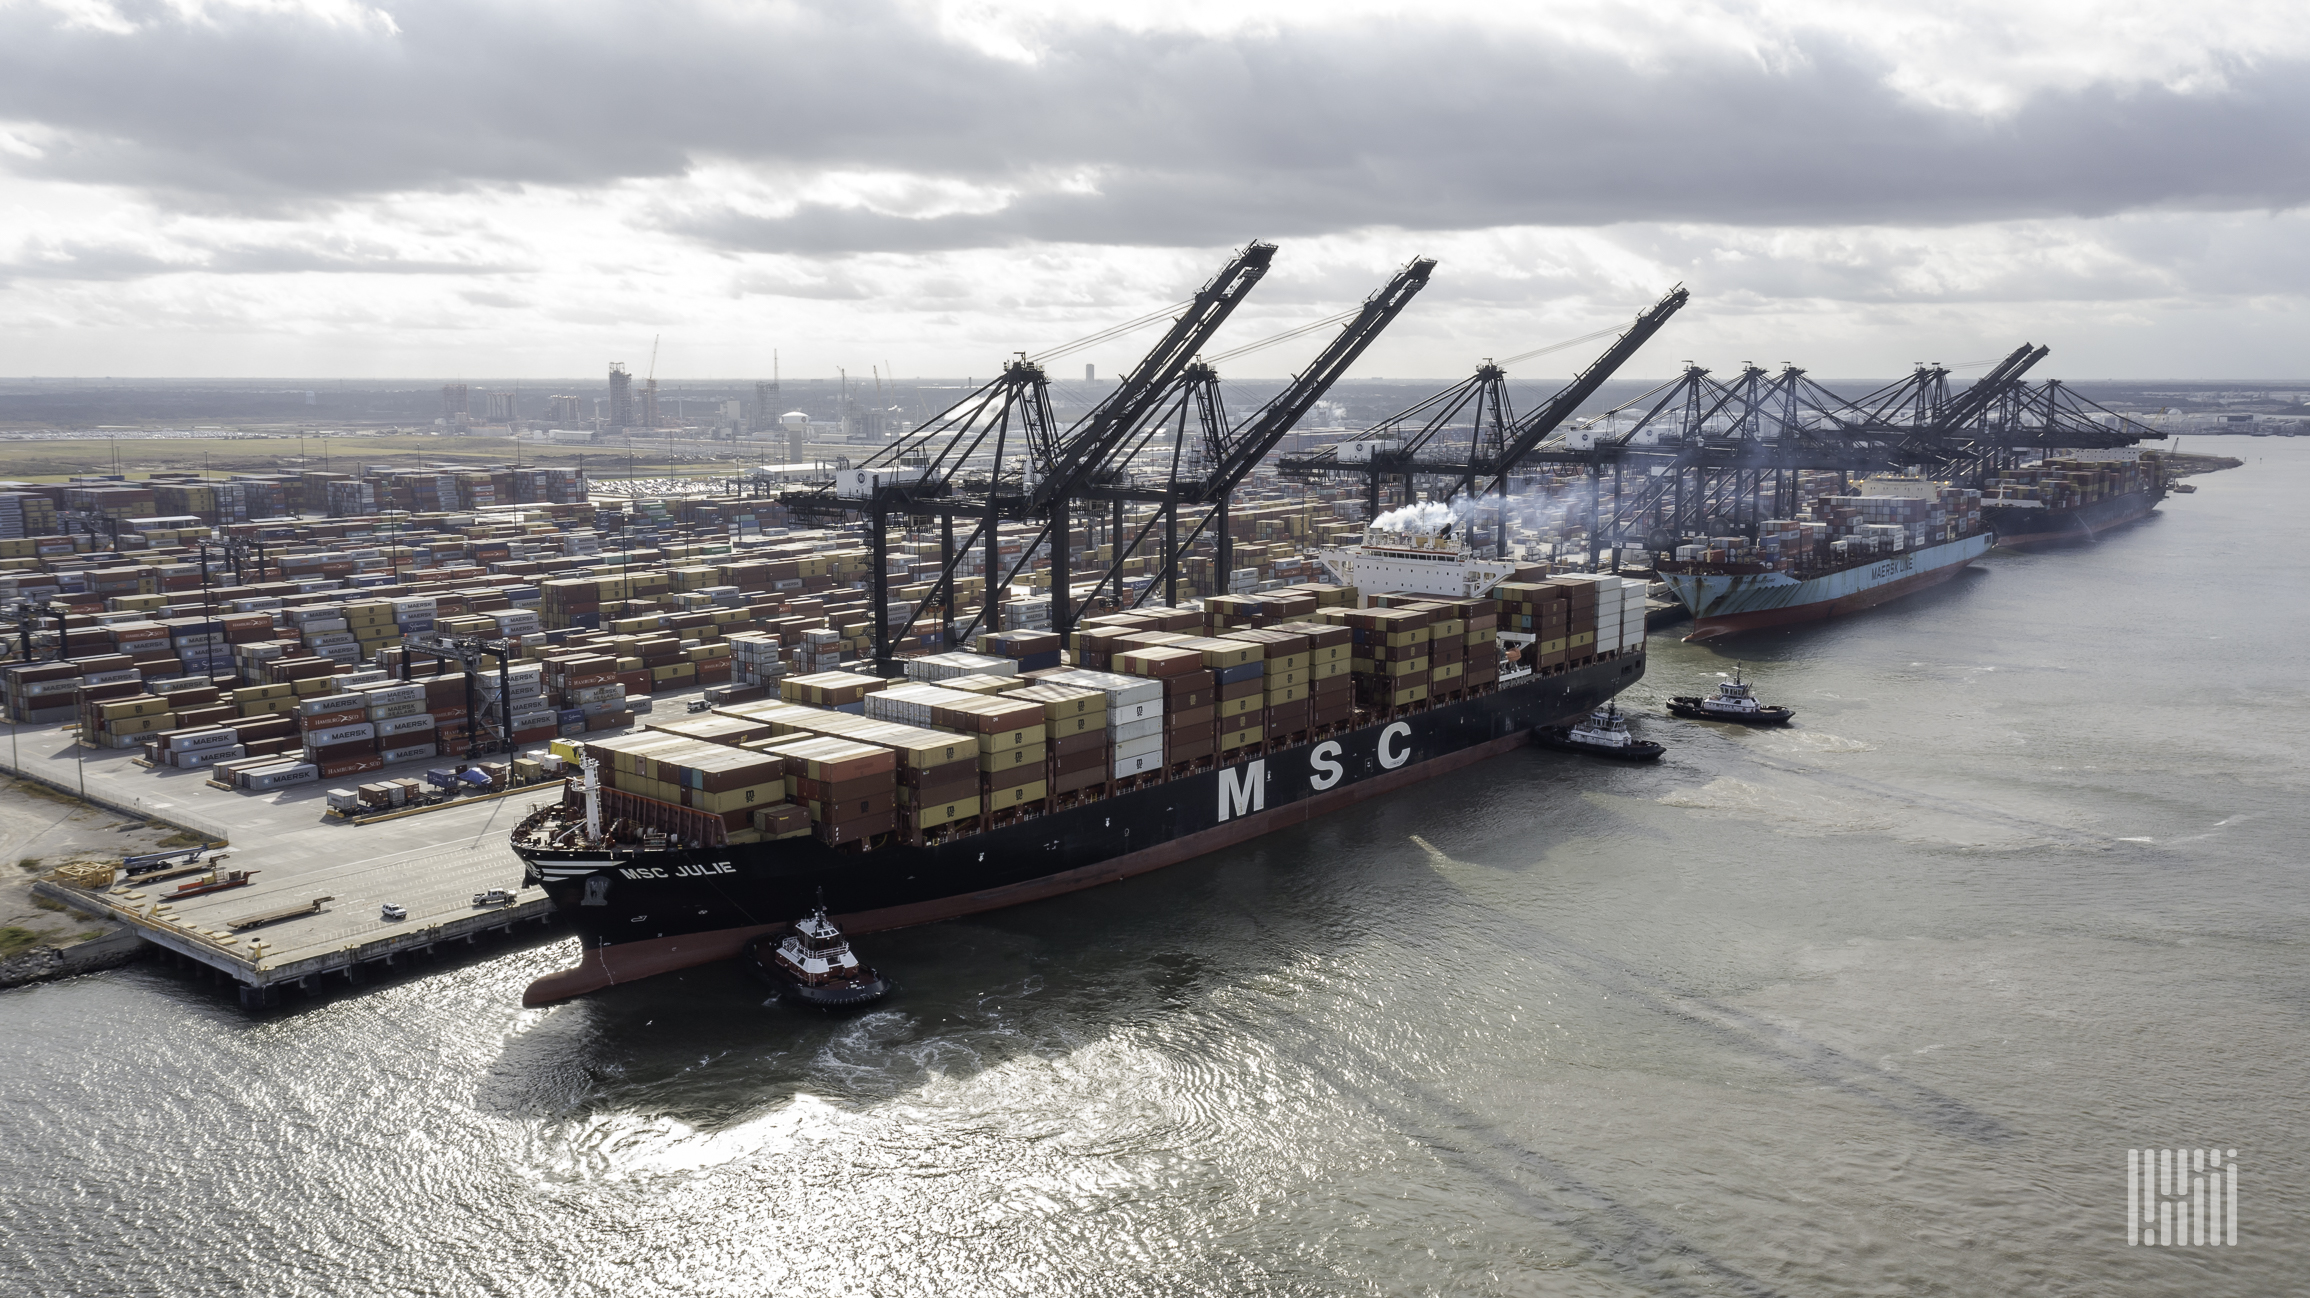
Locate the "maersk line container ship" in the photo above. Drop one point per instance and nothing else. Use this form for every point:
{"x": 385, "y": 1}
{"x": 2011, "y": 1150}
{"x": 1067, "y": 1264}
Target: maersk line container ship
{"x": 1850, "y": 553}
{"x": 975, "y": 785}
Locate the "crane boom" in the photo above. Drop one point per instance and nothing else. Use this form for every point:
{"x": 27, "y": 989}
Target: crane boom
{"x": 1250, "y": 441}
{"x": 1535, "y": 427}
{"x": 1094, "y": 438}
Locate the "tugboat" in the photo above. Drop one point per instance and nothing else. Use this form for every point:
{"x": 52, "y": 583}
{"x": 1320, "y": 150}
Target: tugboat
{"x": 813, "y": 964}
{"x": 1603, "y": 734}
{"x": 1734, "y": 701}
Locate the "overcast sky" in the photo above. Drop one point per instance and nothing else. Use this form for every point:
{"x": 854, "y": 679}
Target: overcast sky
{"x": 487, "y": 189}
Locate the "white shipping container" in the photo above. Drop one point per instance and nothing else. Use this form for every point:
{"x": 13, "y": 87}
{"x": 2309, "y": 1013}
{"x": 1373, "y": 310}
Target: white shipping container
{"x": 415, "y": 724}
{"x": 1126, "y": 767}
{"x": 1133, "y": 730}
{"x": 409, "y": 753}
{"x": 280, "y": 777}
{"x": 208, "y": 756}
{"x": 1136, "y": 747}
{"x": 320, "y": 703}
{"x": 387, "y": 694}
{"x": 393, "y": 711}
{"x": 1118, "y": 689}
{"x": 218, "y": 738}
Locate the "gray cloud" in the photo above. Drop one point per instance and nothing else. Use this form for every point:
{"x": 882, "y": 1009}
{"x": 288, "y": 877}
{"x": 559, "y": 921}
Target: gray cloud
{"x": 75, "y": 260}
{"x": 1194, "y": 141}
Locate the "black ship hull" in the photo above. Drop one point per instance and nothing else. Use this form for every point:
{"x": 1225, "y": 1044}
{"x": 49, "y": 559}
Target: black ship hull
{"x": 644, "y": 913}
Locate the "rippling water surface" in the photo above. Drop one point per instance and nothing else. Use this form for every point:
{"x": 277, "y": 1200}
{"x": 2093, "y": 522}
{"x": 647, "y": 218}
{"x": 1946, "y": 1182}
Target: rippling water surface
{"x": 1874, "y": 1005}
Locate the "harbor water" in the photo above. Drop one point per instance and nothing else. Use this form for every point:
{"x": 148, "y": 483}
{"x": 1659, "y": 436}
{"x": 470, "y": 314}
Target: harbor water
{"x": 1877, "y": 1004}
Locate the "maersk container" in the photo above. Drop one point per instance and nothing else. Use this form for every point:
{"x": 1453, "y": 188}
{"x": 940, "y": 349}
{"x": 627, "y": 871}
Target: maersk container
{"x": 282, "y": 776}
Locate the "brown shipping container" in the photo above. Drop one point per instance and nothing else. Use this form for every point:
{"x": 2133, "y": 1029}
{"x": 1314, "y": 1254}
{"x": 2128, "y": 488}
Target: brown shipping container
{"x": 1189, "y": 750}
{"x": 865, "y": 786}
{"x": 1088, "y": 742}
{"x": 993, "y": 781}
{"x": 338, "y": 752}
{"x": 1072, "y": 781}
{"x": 836, "y": 832}
{"x": 1188, "y": 718}
{"x": 965, "y": 771}
{"x": 1091, "y": 759}
{"x": 870, "y": 807}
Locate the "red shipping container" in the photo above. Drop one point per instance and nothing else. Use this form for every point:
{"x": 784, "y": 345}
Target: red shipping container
{"x": 325, "y": 720}
{"x": 350, "y": 766}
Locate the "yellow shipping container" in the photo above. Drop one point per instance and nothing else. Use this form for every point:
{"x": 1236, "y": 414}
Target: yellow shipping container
{"x": 140, "y": 725}
{"x": 1019, "y": 794}
{"x": 1011, "y": 759}
{"x": 945, "y": 813}
{"x": 142, "y": 705}
{"x": 739, "y": 799}
{"x": 1023, "y": 737}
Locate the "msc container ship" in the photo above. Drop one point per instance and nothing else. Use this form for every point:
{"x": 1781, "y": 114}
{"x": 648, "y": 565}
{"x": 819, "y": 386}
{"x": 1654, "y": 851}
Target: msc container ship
{"x": 1852, "y": 553}
{"x": 894, "y": 804}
